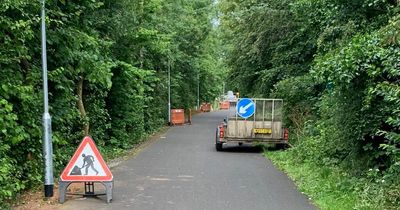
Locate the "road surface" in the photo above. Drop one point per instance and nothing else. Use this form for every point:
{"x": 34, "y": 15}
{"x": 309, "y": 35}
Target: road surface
{"x": 182, "y": 171}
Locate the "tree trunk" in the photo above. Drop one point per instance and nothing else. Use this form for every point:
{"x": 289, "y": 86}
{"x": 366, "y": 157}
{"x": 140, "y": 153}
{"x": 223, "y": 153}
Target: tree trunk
{"x": 82, "y": 107}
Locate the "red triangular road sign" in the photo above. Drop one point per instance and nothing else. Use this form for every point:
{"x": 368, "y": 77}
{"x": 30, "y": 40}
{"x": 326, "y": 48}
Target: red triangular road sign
{"x": 87, "y": 164}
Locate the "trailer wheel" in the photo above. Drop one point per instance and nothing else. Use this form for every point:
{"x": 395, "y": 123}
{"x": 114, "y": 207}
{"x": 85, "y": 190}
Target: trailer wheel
{"x": 281, "y": 146}
{"x": 218, "y": 145}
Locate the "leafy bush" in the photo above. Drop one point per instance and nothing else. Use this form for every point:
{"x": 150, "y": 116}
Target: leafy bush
{"x": 297, "y": 110}
{"x": 336, "y": 65}
{"x": 364, "y": 101}
{"x": 358, "y": 127}
{"x": 125, "y": 103}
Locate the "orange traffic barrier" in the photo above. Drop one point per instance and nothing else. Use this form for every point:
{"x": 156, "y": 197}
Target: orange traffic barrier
{"x": 177, "y": 116}
{"x": 205, "y": 107}
{"x": 224, "y": 105}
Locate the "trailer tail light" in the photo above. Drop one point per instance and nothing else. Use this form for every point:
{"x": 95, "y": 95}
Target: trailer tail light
{"x": 286, "y": 134}
{"x": 221, "y": 132}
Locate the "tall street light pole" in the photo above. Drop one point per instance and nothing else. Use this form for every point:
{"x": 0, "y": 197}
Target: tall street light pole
{"x": 47, "y": 142}
{"x": 169, "y": 91}
{"x": 198, "y": 90}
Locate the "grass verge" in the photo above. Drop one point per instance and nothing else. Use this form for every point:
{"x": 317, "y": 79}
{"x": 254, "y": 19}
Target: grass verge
{"x": 333, "y": 188}
{"x": 328, "y": 187}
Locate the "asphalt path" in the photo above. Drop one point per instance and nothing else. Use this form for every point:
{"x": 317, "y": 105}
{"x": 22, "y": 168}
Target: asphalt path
{"x": 182, "y": 170}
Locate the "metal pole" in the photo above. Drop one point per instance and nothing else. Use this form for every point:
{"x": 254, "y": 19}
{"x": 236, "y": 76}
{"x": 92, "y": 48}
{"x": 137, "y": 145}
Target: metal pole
{"x": 47, "y": 142}
{"x": 198, "y": 90}
{"x": 169, "y": 91}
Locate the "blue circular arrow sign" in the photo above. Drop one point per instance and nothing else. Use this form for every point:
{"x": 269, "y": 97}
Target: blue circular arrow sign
{"x": 245, "y": 108}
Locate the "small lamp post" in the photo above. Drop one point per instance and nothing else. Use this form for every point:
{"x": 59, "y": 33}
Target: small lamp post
{"x": 169, "y": 91}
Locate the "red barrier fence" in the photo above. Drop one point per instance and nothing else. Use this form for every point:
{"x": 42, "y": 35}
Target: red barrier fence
{"x": 177, "y": 116}
{"x": 205, "y": 107}
{"x": 224, "y": 105}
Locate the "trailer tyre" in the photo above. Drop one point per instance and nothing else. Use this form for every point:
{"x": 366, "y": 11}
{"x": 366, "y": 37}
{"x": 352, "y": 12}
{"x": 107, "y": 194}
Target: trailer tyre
{"x": 218, "y": 145}
{"x": 281, "y": 146}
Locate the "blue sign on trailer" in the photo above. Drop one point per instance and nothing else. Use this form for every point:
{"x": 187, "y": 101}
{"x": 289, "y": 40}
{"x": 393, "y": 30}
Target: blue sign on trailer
{"x": 245, "y": 108}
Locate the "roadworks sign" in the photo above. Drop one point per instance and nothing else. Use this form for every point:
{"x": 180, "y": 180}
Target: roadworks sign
{"x": 87, "y": 165}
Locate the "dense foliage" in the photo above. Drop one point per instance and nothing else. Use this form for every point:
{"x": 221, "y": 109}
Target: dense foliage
{"x": 107, "y": 64}
{"x": 336, "y": 64}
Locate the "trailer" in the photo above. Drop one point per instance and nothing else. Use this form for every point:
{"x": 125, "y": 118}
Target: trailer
{"x": 256, "y": 121}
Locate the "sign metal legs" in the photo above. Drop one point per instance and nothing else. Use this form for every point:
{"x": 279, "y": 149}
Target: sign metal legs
{"x": 89, "y": 190}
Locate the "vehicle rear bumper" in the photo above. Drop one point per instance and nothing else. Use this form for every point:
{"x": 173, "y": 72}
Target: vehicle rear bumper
{"x": 251, "y": 140}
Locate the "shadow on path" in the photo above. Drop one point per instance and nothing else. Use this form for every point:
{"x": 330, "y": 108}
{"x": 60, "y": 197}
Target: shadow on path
{"x": 243, "y": 149}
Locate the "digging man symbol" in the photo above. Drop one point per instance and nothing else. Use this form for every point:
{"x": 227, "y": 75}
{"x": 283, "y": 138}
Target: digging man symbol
{"x": 88, "y": 161}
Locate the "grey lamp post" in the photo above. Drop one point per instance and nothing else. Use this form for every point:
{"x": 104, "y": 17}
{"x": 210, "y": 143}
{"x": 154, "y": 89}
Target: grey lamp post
{"x": 47, "y": 142}
{"x": 169, "y": 91}
{"x": 198, "y": 90}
